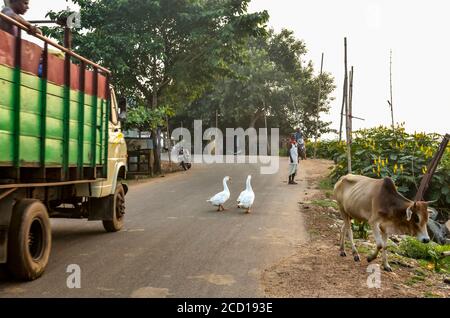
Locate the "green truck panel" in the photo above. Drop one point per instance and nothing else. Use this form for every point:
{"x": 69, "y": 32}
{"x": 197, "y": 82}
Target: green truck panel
{"x": 30, "y": 120}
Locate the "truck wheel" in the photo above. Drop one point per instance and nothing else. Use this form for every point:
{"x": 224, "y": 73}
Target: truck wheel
{"x": 118, "y": 211}
{"x": 29, "y": 240}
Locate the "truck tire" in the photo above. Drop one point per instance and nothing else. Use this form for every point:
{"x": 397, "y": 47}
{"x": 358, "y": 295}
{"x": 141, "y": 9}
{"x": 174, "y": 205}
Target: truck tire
{"x": 118, "y": 211}
{"x": 29, "y": 240}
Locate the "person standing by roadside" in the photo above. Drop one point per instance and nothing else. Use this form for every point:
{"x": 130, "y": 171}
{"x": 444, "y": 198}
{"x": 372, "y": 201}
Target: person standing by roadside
{"x": 293, "y": 160}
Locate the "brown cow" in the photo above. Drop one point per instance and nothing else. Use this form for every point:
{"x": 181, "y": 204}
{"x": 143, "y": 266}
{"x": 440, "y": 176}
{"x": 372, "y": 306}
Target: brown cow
{"x": 378, "y": 202}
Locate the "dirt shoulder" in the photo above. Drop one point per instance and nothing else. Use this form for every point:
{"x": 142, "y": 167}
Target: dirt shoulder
{"x": 317, "y": 270}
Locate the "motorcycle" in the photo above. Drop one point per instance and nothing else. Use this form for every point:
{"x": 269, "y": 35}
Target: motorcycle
{"x": 184, "y": 158}
{"x": 302, "y": 151}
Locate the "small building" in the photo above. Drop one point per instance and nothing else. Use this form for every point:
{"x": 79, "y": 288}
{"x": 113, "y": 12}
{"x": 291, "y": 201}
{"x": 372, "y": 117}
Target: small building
{"x": 140, "y": 152}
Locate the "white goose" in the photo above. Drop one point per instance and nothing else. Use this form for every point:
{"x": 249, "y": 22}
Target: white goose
{"x": 247, "y": 197}
{"x": 220, "y": 198}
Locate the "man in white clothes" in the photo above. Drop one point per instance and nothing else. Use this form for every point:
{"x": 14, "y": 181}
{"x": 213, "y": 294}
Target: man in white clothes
{"x": 293, "y": 160}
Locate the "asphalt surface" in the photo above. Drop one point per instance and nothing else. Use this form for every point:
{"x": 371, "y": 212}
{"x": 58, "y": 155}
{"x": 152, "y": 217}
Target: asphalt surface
{"x": 174, "y": 243}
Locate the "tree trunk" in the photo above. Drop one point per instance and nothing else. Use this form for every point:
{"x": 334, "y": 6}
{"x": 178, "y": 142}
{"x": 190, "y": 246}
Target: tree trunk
{"x": 155, "y": 136}
{"x": 255, "y": 118}
{"x": 157, "y": 153}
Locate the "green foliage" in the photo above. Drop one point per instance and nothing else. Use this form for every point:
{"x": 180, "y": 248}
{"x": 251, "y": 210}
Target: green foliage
{"x": 412, "y": 248}
{"x": 143, "y": 118}
{"x": 268, "y": 83}
{"x": 430, "y": 295}
{"x": 381, "y": 152}
{"x": 326, "y": 203}
{"x": 163, "y": 51}
{"x": 326, "y": 184}
{"x": 360, "y": 229}
{"x": 415, "y": 279}
{"x": 283, "y": 152}
{"x": 199, "y": 57}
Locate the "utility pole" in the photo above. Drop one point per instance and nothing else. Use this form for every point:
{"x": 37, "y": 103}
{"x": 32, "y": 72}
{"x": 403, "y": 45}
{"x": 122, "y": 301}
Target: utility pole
{"x": 318, "y": 107}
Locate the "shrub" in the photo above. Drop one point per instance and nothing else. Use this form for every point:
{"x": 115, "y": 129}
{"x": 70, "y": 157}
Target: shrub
{"x": 383, "y": 152}
{"x": 412, "y": 248}
{"x": 360, "y": 229}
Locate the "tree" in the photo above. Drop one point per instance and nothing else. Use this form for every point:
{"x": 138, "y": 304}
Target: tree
{"x": 269, "y": 81}
{"x": 163, "y": 52}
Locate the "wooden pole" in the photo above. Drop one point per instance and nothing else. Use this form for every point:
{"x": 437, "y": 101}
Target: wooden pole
{"x": 318, "y": 107}
{"x": 343, "y": 108}
{"x": 391, "y": 101}
{"x": 347, "y": 115}
{"x": 432, "y": 169}
{"x": 350, "y": 106}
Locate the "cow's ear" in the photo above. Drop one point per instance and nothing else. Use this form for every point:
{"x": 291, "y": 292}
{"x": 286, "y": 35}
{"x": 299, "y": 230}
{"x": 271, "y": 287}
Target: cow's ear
{"x": 409, "y": 214}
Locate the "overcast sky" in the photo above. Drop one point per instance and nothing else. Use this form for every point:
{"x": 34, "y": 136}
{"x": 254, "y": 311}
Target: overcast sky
{"x": 416, "y": 31}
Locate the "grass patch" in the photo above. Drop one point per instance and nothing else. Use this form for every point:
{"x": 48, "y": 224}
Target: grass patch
{"x": 414, "y": 280}
{"x": 420, "y": 272}
{"x": 429, "y": 255}
{"x": 365, "y": 250}
{"x": 430, "y": 295}
{"x": 326, "y": 184}
{"x": 326, "y": 203}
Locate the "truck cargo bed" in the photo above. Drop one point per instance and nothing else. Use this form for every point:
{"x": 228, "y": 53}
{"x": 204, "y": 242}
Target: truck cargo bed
{"x": 53, "y": 123}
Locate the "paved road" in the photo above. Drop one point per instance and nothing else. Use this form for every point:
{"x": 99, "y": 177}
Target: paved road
{"x": 175, "y": 244}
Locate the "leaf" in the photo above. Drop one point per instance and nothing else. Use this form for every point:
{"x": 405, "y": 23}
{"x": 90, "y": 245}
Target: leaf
{"x": 434, "y": 196}
{"x": 403, "y": 189}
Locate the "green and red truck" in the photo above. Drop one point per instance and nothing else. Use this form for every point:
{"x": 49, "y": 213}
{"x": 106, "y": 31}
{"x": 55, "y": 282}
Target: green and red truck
{"x": 62, "y": 151}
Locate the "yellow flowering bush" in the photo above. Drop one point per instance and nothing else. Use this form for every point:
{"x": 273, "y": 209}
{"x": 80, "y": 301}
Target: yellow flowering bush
{"x": 381, "y": 152}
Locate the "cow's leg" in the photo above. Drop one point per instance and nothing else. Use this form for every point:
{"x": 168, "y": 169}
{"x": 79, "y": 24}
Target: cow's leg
{"x": 344, "y": 230}
{"x": 354, "y": 250}
{"x": 386, "y": 266}
{"x": 378, "y": 240}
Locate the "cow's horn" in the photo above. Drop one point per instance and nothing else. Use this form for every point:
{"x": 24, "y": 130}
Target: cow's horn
{"x": 409, "y": 213}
